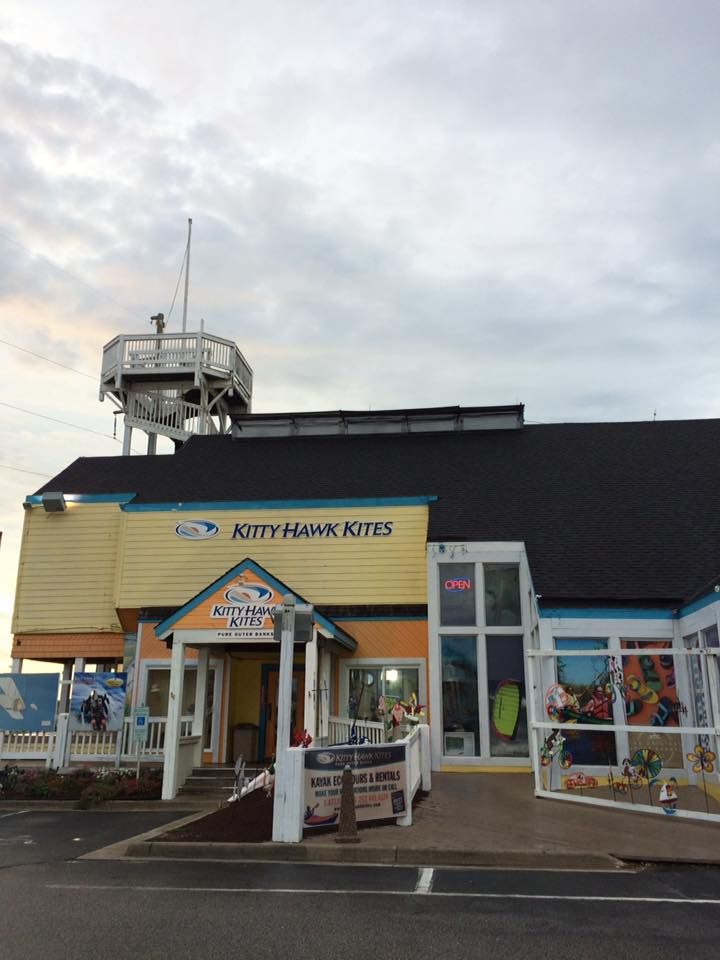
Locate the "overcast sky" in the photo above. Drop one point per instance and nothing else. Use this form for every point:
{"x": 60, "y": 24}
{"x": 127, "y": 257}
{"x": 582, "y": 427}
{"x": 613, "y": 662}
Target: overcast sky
{"x": 394, "y": 204}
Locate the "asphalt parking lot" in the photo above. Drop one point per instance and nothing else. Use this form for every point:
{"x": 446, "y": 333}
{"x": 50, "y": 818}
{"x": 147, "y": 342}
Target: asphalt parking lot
{"x": 37, "y": 836}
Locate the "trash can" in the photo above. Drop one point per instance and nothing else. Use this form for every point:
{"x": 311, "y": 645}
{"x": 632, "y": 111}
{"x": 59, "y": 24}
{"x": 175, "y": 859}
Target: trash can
{"x": 245, "y": 741}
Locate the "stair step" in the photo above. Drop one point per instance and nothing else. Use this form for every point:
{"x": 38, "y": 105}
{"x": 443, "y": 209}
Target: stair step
{"x": 194, "y": 790}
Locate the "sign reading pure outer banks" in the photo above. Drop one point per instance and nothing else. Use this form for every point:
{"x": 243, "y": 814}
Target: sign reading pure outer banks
{"x": 379, "y": 782}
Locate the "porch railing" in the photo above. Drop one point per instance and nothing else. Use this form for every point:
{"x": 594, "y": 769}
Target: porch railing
{"x": 340, "y": 730}
{"x": 101, "y": 746}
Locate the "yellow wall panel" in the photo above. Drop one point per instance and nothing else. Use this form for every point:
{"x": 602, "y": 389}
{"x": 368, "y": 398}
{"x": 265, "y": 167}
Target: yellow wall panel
{"x": 159, "y": 568}
{"x": 67, "y": 567}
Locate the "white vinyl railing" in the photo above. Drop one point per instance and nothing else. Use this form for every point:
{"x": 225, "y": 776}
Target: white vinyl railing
{"x": 340, "y": 730}
{"x": 169, "y": 415}
{"x": 170, "y": 352}
{"x": 18, "y": 745}
{"x": 88, "y": 745}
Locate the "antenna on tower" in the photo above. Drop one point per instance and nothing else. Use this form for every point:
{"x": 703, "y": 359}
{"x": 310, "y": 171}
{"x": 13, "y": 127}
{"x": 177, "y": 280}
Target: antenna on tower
{"x": 187, "y": 275}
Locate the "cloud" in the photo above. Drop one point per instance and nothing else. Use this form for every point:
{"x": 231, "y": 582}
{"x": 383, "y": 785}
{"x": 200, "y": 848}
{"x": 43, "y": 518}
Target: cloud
{"x": 392, "y": 204}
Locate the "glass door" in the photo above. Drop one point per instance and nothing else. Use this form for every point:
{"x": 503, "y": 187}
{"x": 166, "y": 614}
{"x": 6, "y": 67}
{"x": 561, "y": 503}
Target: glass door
{"x": 482, "y": 662}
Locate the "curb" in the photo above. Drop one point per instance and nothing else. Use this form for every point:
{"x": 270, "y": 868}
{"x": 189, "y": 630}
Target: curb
{"x": 396, "y": 856}
{"x": 127, "y": 806}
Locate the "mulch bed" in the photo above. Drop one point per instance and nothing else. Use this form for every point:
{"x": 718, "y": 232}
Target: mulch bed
{"x": 248, "y": 820}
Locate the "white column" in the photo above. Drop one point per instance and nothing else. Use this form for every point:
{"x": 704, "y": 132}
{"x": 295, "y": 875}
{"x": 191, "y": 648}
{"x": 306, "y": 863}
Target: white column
{"x": 325, "y": 678}
{"x": 172, "y": 727}
{"x": 66, "y": 685}
{"x": 16, "y": 665}
{"x": 127, "y": 440}
{"x": 198, "y": 728}
{"x": 312, "y": 693}
{"x": 79, "y": 664}
{"x": 285, "y": 677}
{"x": 287, "y": 811}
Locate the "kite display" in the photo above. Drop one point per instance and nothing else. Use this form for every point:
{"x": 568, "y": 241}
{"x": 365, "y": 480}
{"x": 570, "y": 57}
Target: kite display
{"x": 506, "y": 708}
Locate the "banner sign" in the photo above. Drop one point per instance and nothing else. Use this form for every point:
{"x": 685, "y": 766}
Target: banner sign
{"x": 98, "y": 701}
{"x": 241, "y": 609}
{"x": 28, "y": 701}
{"x": 379, "y": 778}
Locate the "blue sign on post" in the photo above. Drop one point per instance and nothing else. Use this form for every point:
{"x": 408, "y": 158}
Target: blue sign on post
{"x": 140, "y": 724}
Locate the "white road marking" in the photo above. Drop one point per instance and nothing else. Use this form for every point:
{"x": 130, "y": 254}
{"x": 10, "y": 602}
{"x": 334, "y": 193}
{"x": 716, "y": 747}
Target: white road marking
{"x": 384, "y": 893}
{"x": 15, "y": 813}
{"x": 424, "y": 884}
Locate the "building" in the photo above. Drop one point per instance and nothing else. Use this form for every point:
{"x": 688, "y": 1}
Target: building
{"x": 456, "y": 555}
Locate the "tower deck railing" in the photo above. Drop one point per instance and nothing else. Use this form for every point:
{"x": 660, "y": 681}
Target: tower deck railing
{"x": 168, "y": 355}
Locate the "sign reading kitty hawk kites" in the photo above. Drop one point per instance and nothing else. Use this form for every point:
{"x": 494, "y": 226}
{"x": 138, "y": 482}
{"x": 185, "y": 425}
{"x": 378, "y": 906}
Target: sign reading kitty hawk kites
{"x": 240, "y": 609}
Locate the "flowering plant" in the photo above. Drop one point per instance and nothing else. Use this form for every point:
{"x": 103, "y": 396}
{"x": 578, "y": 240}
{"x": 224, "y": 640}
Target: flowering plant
{"x": 413, "y": 709}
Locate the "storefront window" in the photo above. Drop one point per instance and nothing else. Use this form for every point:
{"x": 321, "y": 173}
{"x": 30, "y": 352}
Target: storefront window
{"x": 457, "y": 594}
{"x": 158, "y": 690}
{"x": 583, "y": 695}
{"x": 650, "y": 698}
{"x": 506, "y": 696}
{"x": 368, "y": 684}
{"x": 461, "y": 715}
{"x": 502, "y": 595}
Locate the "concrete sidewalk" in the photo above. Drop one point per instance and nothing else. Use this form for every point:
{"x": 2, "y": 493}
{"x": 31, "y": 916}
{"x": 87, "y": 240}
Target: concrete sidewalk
{"x": 484, "y": 820}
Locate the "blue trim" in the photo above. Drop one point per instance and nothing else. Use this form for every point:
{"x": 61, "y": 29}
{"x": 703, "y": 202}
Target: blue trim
{"x": 36, "y": 498}
{"x": 606, "y": 613}
{"x": 278, "y": 504}
{"x": 699, "y": 604}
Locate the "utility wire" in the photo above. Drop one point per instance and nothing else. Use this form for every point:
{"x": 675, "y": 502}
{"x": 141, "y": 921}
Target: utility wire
{"x": 6, "y": 466}
{"x": 177, "y": 285}
{"x": 56, "y": 266}
{"x": 65, "y": 423}
{"x": 41, "y": 357}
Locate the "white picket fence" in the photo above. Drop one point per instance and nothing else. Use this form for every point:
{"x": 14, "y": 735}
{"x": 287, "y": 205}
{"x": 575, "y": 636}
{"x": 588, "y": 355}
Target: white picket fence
{"x": 87, "y": 745}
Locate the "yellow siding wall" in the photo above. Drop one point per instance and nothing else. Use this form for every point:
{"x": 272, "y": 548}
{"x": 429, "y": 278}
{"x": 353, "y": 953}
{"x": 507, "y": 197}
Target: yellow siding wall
{"x": 158, "y": 568}
{"x": 66, "y": 576}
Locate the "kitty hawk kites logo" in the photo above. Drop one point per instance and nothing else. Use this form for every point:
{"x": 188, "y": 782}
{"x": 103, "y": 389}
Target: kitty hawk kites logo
{"x": 197, "y": 529}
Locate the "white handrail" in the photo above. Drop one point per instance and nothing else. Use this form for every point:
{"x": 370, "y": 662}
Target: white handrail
{"x": 340, "y": 730}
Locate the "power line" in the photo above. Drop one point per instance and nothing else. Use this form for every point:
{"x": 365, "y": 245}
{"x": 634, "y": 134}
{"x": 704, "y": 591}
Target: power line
{"x": 6, "y": 466}
{"x": 41, "y": 357}
{"x": 74, "y": 276}
{"x": 177, "y": 285}
{"x": 65, "y": 423}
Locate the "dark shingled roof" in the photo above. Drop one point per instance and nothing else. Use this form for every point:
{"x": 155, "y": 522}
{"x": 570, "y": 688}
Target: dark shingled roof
{"x": 609, "y": 512}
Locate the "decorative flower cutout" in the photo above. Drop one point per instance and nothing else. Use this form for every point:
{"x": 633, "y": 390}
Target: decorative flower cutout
{"x": 702, "y": 759}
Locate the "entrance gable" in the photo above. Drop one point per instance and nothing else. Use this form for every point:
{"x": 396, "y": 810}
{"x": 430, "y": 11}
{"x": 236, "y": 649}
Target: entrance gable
{"x": 239, "y": 605}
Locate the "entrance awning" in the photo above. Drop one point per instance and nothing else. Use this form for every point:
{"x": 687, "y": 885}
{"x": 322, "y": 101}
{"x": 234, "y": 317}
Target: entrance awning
{"x": 237, "y": 610}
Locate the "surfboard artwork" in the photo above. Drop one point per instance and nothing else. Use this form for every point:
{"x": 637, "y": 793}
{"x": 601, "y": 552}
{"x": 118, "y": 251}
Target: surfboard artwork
{"x": 506, "y": 708}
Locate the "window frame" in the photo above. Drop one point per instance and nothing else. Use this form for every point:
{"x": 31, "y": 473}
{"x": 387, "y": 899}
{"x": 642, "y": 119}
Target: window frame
{"x": 479, "y": 554}
{"x": 383, "y": 663}
{"x": 214, "y": 663}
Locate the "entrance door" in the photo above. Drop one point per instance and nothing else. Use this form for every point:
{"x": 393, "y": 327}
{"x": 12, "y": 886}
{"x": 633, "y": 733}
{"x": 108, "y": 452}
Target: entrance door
{"x": 483, "y": 691}
{"x": 269, "y": 708}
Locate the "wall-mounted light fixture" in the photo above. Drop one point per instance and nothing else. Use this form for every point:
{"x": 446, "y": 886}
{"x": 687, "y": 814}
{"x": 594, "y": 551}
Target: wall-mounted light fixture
{"x": 53, "y": 502}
